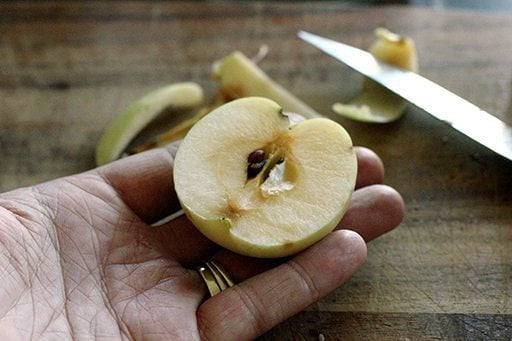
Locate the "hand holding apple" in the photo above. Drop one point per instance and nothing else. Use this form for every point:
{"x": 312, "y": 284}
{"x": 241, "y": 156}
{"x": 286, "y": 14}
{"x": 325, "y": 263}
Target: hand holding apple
{"x": 277, "y": 288}
{"x": 140, "y": 280}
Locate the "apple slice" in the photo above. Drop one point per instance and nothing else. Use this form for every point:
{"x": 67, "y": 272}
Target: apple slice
{"x": 239, "y": 77}
{"x": 136, "y": 117}
{"x": 261, "y": 185}
{"x": 375, "y": 103}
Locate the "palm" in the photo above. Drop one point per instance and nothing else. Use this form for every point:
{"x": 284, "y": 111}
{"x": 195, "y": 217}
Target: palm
{"x": 80, "y": 260}
{"x": 94, "y": 268}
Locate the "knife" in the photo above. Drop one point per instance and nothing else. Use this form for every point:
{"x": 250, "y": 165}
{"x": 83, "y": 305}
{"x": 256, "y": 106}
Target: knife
{"x": 444, "y": 105}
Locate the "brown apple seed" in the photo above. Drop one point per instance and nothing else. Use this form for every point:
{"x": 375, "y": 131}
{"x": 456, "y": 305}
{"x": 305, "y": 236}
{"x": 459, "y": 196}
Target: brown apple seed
{"x": 256, "y": 156}
{"x": 255, "y": 163}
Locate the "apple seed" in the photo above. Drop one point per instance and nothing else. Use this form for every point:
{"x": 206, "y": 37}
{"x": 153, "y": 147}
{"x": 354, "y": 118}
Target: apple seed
{"x": 255, "y": 163}
{"x": 256, "y": 156}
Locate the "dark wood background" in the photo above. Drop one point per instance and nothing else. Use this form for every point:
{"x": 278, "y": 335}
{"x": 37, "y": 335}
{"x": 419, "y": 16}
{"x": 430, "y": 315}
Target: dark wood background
{"x": 66, "y": 69}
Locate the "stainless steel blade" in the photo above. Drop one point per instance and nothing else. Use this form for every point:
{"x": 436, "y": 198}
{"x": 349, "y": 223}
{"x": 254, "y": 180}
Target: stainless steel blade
{"x": 462, "y": 115}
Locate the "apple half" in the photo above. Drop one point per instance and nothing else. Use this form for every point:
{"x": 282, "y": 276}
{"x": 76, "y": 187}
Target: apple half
{"x": 375, "y": 103}
{"x": 258, "y": 184}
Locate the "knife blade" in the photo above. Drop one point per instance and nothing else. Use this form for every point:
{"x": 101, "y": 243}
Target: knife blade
{"x": 439, "y": 102}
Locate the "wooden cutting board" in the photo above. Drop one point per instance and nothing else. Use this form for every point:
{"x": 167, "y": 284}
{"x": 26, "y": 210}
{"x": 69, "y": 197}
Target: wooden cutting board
{"x": 446, "y": 273}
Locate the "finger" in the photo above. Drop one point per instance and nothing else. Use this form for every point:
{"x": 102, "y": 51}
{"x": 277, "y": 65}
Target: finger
{"x": 258, "y": 304}
{"x": 373, "y": 211}
{"x": 144, "y": 182}
{"x": 370, "y": 169}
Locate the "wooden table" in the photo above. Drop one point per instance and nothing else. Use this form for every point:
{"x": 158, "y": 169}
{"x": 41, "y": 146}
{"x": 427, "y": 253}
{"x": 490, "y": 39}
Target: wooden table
{"x": 446, "y": 273}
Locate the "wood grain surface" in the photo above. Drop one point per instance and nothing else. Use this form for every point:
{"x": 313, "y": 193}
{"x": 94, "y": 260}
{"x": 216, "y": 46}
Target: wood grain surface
{"x": 66, "y": 69}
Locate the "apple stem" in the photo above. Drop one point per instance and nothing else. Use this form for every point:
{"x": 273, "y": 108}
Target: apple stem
{"x": 169, "y": 218}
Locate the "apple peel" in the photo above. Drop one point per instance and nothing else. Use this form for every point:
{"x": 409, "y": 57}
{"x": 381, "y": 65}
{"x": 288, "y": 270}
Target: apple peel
{"x": 127, "y": 124}
{"x": 375, "y": 103}
{"x": 304, "y": 178}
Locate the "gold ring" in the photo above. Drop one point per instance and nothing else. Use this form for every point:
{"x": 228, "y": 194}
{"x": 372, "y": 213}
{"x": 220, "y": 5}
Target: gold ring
{"x": 215, "y": 277}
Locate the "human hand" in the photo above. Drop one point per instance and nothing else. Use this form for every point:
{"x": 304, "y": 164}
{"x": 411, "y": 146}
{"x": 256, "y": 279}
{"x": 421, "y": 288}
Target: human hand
{"x": 80, "y": 259}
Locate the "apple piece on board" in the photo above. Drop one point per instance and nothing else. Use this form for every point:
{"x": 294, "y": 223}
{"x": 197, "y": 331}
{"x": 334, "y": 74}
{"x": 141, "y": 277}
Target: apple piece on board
{"x": 239, "y": 77}
{"x": 130, "y": 122}
{"x": 375, "y": 103}
{"x": 259, "y": 184}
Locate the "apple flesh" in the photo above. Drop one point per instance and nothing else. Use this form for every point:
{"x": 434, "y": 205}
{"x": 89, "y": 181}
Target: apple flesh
{"x": 260, "y": 185}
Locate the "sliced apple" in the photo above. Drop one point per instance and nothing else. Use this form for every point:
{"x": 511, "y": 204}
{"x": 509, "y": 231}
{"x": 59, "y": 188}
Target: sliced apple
{"x": 239, "y": 77}
{"x": 375, "y": 103}
{"x": 136, "y": 117}
{"x": 259, "y": 184}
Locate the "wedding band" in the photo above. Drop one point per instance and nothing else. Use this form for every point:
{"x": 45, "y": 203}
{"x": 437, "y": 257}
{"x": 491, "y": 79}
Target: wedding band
{"x": 215, "y": 277}
{"x": 221, "y": 275}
